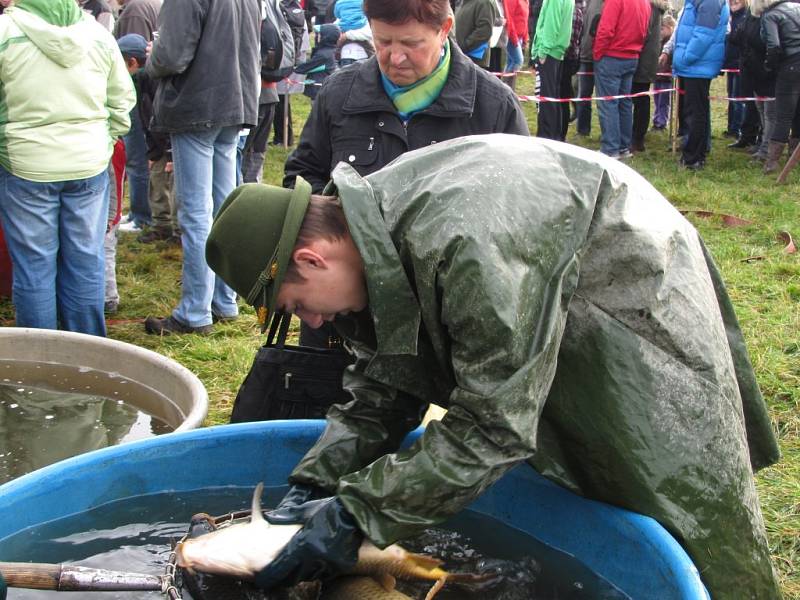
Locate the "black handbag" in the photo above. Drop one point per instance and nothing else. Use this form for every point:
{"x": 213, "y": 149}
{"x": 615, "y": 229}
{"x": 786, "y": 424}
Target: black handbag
{"x": 290, "y": 382}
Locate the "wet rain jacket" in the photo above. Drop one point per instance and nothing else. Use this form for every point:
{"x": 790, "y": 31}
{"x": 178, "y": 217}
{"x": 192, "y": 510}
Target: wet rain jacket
{"x": 566, "y": 315}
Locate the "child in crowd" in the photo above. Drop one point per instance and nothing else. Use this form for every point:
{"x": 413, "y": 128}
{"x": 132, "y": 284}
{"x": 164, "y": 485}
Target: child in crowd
{"x": 356, "y": 39}
{"x": 159, "y": 154}
{"x": 663, "y": 82}
{"x": 323, "y": 60}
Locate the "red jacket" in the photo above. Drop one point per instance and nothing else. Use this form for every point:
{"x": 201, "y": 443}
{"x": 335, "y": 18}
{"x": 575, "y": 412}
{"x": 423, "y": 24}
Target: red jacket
{"x": 622, "y": 29}
{"x": 516, "y": 20}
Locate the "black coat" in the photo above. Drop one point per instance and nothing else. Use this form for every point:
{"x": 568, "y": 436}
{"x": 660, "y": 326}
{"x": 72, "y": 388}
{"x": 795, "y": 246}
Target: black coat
{"x": 207, "y": 60}
{"x": 780, "y": 30}
{"x": 353, "y": 120}
{"x": 752, "y": 52}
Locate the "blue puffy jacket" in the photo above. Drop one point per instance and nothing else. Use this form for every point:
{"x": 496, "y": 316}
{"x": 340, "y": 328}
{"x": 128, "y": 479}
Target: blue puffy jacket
{"x": 700, "y": 39}
{"x": 350, "y": 14}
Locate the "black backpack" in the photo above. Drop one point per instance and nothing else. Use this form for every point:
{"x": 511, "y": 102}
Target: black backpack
{"x": 296, "y": 18}
{"x": 277, "y": 44}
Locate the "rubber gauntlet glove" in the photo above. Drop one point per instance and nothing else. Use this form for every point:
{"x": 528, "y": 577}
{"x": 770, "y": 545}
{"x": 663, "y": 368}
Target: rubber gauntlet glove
{"x": 327, "y": 545}
{"x": 293, "y": 507}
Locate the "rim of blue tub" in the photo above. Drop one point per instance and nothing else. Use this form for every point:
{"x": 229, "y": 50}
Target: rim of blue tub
{"x": 634, "y": 552}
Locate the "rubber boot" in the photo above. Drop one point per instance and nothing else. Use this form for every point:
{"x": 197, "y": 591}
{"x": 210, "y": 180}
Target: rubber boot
{"x": 774, "y": 152}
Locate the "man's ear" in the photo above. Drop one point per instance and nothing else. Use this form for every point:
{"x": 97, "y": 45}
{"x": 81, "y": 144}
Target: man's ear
{"x": 309, "y": 260}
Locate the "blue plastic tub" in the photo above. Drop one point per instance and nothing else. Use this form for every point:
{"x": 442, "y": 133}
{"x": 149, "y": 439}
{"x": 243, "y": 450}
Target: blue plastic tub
{"x": 632, "y": 551}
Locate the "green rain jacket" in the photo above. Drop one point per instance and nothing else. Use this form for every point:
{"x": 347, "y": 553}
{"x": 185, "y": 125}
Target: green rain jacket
{"x": 566, "y": 315}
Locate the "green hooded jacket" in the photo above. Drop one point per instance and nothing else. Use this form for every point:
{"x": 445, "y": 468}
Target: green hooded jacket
{"x": 65, "y": 94}
{"x": 553, "y": 29}
{"x": 566, "y": 315}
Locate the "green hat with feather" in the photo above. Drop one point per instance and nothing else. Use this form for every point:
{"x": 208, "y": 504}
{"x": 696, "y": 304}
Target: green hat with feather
{"x": 251, "y": 240}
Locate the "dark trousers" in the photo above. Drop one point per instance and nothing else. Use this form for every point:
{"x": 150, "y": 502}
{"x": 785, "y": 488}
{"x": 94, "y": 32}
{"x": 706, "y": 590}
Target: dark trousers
{"x": 585, "y": 90}
{"x": 549, "y": 117}
{"x": 568, "y": 68}
{"x": 255, "y": 148}
{"x": 787, "y": 94}
{"x": 277, "y": 138}
{"x": 641, "y": 113}
{"x": 735, "y": 109}
{"x": 697, "y": 114}
{"x": 751, "y": 123}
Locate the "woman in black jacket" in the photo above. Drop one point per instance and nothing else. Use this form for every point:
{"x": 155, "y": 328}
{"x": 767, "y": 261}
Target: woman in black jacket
{"x": 756, "y": 80}
{"x": 780, "y": 30}
{"x": 401, "y": 99}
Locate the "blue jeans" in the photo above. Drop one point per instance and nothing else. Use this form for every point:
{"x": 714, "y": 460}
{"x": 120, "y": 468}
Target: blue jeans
{"x": 205, "y": 173}
{"x": 54, "y": 232}
{"x": 137, "y": 171}
{"x": 612, "y": 77}
{"x": 513, "y": 57}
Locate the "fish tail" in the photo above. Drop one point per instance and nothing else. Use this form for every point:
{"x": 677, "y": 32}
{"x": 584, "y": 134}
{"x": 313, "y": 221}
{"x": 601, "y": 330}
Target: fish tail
{"x": 255, "y": 508}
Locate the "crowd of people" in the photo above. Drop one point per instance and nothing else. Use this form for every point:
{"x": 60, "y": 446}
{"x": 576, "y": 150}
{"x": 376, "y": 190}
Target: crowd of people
{"x": 199, "y": 128}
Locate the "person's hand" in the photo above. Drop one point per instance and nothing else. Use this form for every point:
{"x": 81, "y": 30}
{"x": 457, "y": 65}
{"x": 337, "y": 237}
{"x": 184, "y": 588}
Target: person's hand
{"x": 297, "y": 505}
{"x": 663, "y": 61}
{"x": 326, "y": 546}
{"x": 3, "y": 588}
{"x": 168, "y": 167}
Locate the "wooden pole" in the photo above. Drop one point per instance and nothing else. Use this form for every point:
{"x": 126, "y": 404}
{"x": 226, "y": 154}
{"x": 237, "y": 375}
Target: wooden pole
{"x": 72, "y": 578}
{"x": 793, "y": 160}
{"x": 286, "y": 118}
{"x": 673, "y": 116}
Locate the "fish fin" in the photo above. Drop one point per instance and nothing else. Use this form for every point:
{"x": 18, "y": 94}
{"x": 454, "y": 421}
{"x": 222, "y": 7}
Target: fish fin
{"x": 255, "y": 508}
{"x": 388, "y": 582}
{"x": 424, "y": 561}
{"x": 471, "y": 577}
{"x": 436, "y": 587}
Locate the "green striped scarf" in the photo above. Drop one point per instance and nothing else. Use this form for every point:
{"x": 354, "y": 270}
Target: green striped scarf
{"x": 420, "y": 95}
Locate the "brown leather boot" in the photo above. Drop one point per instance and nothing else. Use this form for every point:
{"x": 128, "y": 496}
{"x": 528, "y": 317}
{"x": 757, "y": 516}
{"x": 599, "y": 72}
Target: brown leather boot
{"x": 774, "y": 152}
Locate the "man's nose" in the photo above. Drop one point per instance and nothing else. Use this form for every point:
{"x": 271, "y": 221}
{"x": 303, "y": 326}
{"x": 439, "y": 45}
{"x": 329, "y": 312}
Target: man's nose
{"x": 313, "y": 320}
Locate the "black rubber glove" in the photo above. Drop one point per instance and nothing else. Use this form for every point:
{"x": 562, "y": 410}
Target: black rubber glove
{"x": 293, "y": 507}
{"x": 327, "y": 545}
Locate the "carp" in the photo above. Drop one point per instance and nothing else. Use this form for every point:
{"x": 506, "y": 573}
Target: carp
{"x": 241, "y": 550}
{"x": 349, "y": 587}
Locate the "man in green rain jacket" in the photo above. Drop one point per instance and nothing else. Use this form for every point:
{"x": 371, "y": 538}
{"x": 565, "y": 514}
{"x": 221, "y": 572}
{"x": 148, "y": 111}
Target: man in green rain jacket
{"x": 560, "y": 308}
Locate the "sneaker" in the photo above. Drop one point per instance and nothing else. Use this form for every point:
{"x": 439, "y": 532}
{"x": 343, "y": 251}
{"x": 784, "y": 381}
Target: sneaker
{"x": 695, "y": 166}
{"x": 129, "y": 227}
{"x": 625, "y": 154}
{"x": 170, "y": 325}
{"x": 110, "y": 306}
{"x": 154, "y": 234}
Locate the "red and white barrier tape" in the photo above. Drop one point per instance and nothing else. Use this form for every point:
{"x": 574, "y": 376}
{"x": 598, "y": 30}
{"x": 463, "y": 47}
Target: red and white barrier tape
{"x": 523, "y": 98}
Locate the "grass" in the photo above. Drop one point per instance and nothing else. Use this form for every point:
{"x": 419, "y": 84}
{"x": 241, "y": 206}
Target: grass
{"x": 763, "y": 281}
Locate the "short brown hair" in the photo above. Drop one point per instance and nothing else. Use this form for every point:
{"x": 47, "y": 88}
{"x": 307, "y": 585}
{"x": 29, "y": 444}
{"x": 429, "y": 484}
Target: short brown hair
{"x": 324, "y": 219}
{"x": 396, "y": 12}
